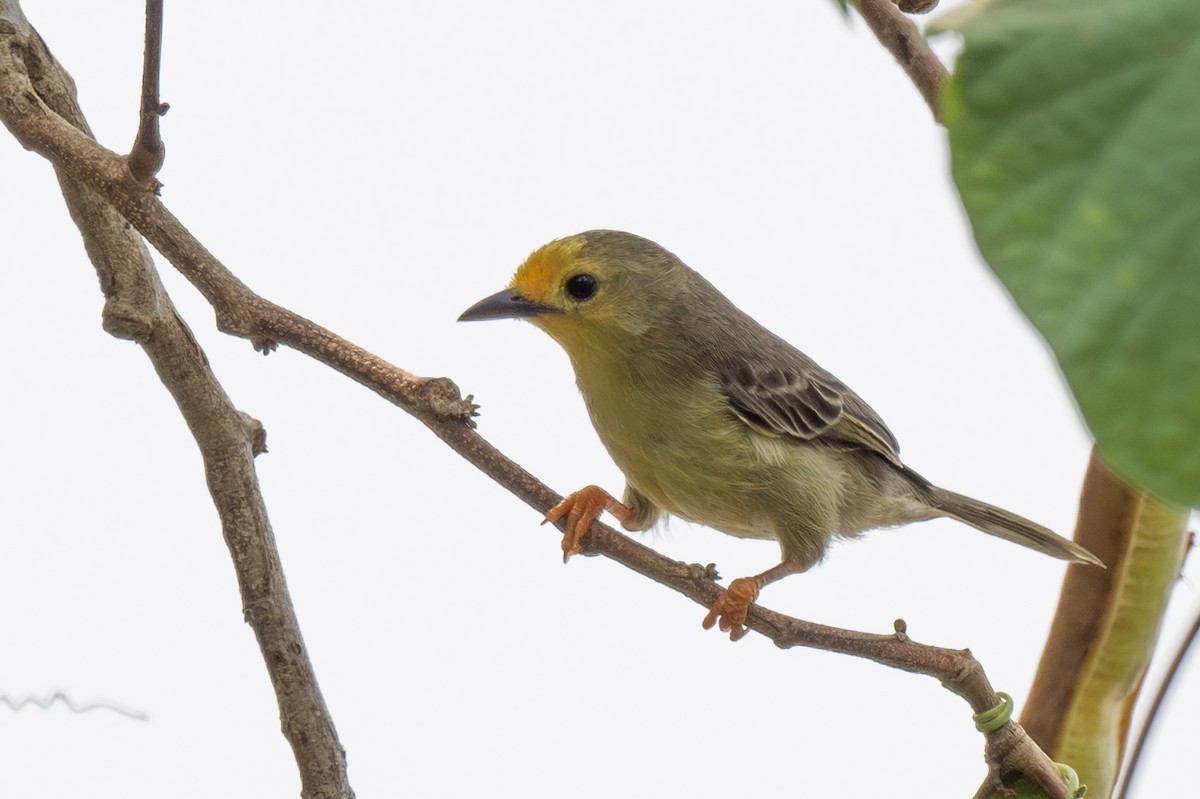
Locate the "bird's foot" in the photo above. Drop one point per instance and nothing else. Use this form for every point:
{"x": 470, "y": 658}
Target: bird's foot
{"x": 581, "y": 509}
{"x": 730, "y": 610}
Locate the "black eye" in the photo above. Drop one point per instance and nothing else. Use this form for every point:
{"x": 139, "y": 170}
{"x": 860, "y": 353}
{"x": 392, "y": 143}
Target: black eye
{"x": 582, "y": 286}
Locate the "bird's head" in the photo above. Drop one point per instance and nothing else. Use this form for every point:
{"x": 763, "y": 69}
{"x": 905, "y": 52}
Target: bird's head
{"x": 593, "y": 289}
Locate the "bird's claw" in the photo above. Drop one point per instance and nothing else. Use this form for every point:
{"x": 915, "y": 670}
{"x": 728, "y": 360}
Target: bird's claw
{"x": 732, "y": 608}
{"x": 581, "y": 509}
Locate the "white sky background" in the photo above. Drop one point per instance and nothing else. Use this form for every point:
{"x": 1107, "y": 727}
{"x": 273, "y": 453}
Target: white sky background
{"x": 378, "y": 168}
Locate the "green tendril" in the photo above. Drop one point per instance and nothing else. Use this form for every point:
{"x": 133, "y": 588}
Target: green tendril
{"x": 997, "y": 717}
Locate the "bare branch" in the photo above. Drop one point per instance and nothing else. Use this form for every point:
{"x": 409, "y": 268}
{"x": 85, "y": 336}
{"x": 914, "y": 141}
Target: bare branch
{"x": 1007, "y": 750}
{"x": 138, "y": 308}
{"x": 146, "y": 157}
{"x": 1160, "y": 696}
{"x": 902, "y": 39}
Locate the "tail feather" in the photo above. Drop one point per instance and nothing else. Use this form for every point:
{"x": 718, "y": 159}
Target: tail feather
{"x": 1009, "y": 526}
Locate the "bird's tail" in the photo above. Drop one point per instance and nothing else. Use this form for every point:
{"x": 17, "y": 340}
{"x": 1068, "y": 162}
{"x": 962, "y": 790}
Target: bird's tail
{"x": 1009, "y": 526}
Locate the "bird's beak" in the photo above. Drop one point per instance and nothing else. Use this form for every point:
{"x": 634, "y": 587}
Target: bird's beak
{"x": 507, "y": 304}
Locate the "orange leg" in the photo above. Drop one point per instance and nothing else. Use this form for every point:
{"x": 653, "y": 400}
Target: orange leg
{"x": 733, "y": 606}
{"x": 581, "y": 509}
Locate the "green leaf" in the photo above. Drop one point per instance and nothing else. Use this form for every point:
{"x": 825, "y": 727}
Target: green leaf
{"x": 1075, "y": 144}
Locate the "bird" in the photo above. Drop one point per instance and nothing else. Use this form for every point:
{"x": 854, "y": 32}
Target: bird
{"x": 714, "y": 419}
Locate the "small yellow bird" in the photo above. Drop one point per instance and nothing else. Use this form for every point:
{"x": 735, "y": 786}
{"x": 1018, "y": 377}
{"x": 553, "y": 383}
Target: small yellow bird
{"x": 714, "y": 419}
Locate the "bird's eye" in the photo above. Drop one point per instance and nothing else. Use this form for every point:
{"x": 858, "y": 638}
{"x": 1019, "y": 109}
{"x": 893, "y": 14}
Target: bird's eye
{"x": 582, "y": 286}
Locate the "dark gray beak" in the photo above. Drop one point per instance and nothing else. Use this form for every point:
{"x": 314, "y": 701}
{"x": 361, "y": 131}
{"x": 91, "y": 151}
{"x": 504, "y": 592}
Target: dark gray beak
{"x": 507, "y": 304}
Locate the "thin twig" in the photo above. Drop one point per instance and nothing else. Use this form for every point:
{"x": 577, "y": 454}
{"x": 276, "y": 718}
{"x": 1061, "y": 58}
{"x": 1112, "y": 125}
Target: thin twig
{"x": 146, "y": 156}
{"x": 902, "y": 39}
{"x": 1159, "y": 697}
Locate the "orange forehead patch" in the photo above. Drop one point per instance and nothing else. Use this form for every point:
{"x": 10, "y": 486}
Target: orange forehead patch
{"x": 541, "y": 270}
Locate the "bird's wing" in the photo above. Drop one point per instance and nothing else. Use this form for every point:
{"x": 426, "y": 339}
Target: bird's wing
{"x": 801, "y": 400}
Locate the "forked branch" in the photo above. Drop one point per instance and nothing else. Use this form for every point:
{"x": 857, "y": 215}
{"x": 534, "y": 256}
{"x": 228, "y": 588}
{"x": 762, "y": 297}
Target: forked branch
{"x": 138, "y": 308}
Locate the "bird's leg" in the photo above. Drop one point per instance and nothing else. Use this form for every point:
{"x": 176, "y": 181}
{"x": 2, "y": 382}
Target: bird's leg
{"x": 732, "y": 607}
{"x": 581, "y": 509}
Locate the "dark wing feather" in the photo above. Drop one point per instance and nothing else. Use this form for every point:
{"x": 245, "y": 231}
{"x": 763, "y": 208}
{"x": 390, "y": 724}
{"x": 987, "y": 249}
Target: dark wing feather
{"x": 801, "y": 400}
